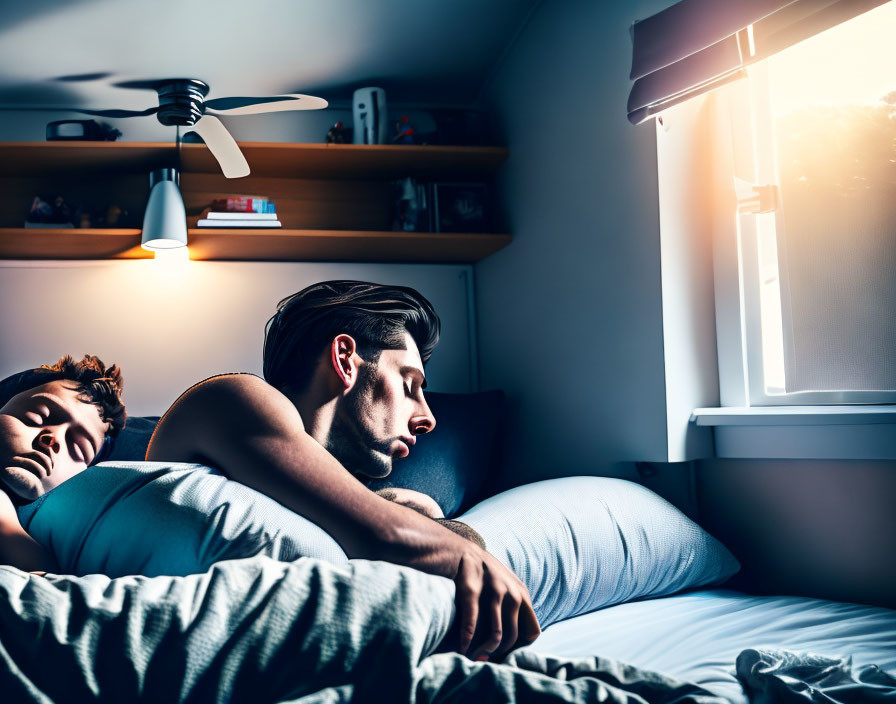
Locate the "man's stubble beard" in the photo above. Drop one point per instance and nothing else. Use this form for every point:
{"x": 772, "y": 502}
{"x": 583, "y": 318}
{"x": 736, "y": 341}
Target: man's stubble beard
{"x": 349, "y": 441}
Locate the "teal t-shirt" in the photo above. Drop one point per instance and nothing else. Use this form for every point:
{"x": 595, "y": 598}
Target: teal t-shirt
{"x": 155, "y": 518}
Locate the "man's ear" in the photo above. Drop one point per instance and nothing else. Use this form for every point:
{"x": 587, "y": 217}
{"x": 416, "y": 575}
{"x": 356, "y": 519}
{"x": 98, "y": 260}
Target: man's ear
{"x": 343, "y": 356}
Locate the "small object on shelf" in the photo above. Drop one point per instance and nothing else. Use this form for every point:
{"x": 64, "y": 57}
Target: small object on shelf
{"x": 114, "y": 215}
{"x": 219, "y": 223}
{"x": 244, "y": 204}
{"x": 59, "y": 214}
{"x": 81, "y": 130}
{"x": 40, "y": 211}
{"x": 411, "y": 208}
{"x": 404, "y": 133}
{"x": 337, "y": 134}
{"x": 459, "y": 207}
{"x": 369, "y": 114}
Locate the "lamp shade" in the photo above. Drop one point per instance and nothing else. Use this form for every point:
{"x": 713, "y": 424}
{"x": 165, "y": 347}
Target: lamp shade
{"x": 165, "y": 220}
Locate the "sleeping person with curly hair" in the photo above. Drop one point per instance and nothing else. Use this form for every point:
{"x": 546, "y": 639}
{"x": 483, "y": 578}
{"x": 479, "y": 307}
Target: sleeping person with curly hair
{"x": 55, "y": 421}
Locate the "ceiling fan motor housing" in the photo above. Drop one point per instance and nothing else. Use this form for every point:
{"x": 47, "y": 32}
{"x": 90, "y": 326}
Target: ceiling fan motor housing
{"x": 181, "y": 102}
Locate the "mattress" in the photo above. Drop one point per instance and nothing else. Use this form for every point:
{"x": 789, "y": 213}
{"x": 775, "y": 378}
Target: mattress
{"x": 697, "y": 636}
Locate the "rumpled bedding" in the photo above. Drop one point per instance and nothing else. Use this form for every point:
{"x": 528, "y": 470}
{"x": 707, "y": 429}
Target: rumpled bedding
{"x": 772, "y": 676}
{"x": 265, "y": 631}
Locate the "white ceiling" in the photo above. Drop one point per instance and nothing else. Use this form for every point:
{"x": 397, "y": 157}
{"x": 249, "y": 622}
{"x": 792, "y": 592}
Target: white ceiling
{"x": 423, "y": 52}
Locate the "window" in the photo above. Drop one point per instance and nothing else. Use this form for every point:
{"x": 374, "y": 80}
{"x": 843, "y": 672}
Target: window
{"x": 813, "y": 143}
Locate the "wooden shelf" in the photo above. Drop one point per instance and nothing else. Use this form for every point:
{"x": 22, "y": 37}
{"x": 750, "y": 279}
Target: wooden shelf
{"x": 336, "y": 199}
{"x": 41, "y": 158}
{"x": 208, "y": 244}
{"x": 70, "y": 243}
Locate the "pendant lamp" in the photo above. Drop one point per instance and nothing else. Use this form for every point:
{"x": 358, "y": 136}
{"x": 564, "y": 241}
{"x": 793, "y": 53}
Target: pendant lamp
{"x": 165, "y": 220}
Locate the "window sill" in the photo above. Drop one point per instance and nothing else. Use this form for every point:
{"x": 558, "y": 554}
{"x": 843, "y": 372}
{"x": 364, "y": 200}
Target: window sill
{"x": 801, "y": 432}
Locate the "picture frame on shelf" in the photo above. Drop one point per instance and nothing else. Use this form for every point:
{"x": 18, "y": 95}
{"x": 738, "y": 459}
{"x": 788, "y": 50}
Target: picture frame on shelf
{"x": 460, "y": 207}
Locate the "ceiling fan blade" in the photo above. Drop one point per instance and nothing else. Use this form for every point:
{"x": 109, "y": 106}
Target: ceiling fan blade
{"x": 82, "y": 111}
{"x": 222, "y": 146}
{"x": 256, "y": 106}
{"x": 83, "y": 77}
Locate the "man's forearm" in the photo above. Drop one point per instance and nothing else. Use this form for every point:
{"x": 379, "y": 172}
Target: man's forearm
{"x": 420, "y": 542}
{"x": 364, "y": 524}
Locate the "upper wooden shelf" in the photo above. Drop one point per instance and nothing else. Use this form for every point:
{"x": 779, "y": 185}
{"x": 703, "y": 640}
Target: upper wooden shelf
{"x": 272, "y": 159}
{"x": 42, "y": 158}
{"x": 257, "y": 245}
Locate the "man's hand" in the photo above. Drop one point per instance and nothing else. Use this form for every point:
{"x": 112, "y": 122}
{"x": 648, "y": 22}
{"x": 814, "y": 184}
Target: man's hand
{"x": 494, "y": 609}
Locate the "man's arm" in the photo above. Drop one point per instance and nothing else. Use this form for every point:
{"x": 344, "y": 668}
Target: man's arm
{"x": 254, "y": 434}
{"x": 17, "y": 548}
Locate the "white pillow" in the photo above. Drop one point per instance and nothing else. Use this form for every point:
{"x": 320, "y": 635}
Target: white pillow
{"x": 581, "y": 543}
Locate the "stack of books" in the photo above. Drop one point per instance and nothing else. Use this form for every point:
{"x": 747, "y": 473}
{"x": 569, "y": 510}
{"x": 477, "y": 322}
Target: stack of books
{"x": 241, "y": 211}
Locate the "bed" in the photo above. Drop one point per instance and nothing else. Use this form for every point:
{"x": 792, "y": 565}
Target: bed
{"x": 624, "y": 584}
{"x": 697, "y": 636}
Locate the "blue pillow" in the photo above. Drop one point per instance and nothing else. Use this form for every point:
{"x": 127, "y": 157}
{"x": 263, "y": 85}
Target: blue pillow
{"x": 132, "y": 441}
{"x": 454, "y": 462}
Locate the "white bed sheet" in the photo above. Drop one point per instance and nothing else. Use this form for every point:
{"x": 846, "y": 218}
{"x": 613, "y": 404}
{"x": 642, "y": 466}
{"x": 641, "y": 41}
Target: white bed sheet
{"x": 697, "y": 636}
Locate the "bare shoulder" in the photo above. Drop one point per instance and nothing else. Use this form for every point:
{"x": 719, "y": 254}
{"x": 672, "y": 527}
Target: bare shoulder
{"x": 226, "y": 384}
{"x": 214, "y": 408}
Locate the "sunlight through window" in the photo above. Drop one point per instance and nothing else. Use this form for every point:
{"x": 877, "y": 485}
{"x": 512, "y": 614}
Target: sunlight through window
{"x": 828, "y": 259}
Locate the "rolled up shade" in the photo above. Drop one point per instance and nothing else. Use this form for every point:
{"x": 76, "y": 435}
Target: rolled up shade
{"x": 696, "y": 46}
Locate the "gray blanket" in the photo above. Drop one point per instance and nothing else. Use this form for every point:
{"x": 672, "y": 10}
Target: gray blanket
{"x": 264, "y": 631}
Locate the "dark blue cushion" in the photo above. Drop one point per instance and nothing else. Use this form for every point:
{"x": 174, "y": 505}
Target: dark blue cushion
{"x": 451, "y": 464}
{"x": 454, "y": 462}
{"x": 132, "y": 441}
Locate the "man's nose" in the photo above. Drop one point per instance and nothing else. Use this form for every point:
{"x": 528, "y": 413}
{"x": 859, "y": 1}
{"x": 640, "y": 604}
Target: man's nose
{"x": 424, "y": 422}
{"x": 49, "y": 441}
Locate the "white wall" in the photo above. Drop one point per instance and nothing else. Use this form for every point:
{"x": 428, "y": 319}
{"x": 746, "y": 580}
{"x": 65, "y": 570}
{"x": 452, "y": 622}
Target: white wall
{"x": 570, "y": 314}
{"x": 169, "y": 326}
{"x": 686, "y": 185}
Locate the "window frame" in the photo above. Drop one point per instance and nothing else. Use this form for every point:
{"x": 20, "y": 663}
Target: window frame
{"x": 745, "y": 121}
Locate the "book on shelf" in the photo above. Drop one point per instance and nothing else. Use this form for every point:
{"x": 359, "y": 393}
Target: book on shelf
{"x": 219, "y": 223}
{"x": 231, "y": 215}
{"x": 243, "y": 204}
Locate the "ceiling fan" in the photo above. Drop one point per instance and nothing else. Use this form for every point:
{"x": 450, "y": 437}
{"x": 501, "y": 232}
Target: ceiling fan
{"x": 182, "y": 103}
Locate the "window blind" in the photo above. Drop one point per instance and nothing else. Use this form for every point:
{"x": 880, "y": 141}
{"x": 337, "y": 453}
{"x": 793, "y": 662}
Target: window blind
{"x": 696, "y": 46}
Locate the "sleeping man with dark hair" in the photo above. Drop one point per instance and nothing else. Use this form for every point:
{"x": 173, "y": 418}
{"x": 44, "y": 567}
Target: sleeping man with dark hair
{"x": 341, "y": 399}
{"x": 55, "y": 421}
